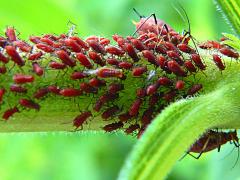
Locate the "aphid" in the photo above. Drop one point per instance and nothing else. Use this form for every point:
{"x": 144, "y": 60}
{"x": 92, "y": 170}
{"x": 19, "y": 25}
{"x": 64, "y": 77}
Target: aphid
{"x": 96, "y": 58}
{"x": 176, "y": 69}
{"x": 138, "y": 71}
{"x": 84, "y": 60}
{"x": 37, "y": 69}
{"x": 161, "y": 61}
{"x": 212, "y": 140}
{"x": 109, "y": 72}
{"x": 134, "y": 109}
{"x": 18, "y": 89}
{"x": 3, "y": 70}
{"x": 115, "y": 87}
{"x": 45, "y": 48}
{"x": 22, "y": 79}
{"x": 78, "y": 75}
{"x": 80, "y": 42}
{"x": 2, "y": 92}
{"x": 194, "y": 89}
{"x": 229, "y": 52}
{"x": 189, "y": 66}
{"x": 85, "y": 87}
{"x": 57, "y": 65}
{"x": 138, "y": 44}
{"x": 9, "y": 113}
{"x": 147, "y": 116}
{"x": 104, "y": 99}
{"x": 40, "y": 93}
{"x": 75, "y": 47}
{"x": 96, "y": 46}
{"x": 70, "y": 92}
{"x": 141, "y": 92}
{"x": 110, "y": 112}
{"x": 47, "y": 40}
{"x": 80, "y": 119}
{"x": 153, "y": 100}
{"x": 125, "y": 65}
{"x": 179, "y": 85}
{"x": 174, "y": 55}
{"x": 104, "y": 41}
{"x": 35, "y": 39}
{"x": 29, "y": 104}
{"x": 113, "y": 126}
{"x": 161, "y": 49}
{"x": 35, "y": 56}
{"x": 218, "y": 61}
{"x": 210, "y": 45}
{"x": 94, "y": 82}
{"x": 198, "y": 62}
{"x": 3, "y": 58}
{"x": 132, "y": 128}
{"x": 131, "y": 52}
{"x": 124, "y": 117}
{"x": 10, "y": 33}
{"x": 152, "y": 89}
{"x": 115, "y": 51}
{"x": 23, "y": 46}
{"x": 164, "y": 81}
{"x": 54, "y": 89}
{"x": 149, "y": 56}
{"x": 63, "y": 55}
{"x": 185, "y": 48}
{"x": 169, "y": 96}
{"x": 12, "y": 52}
{"x": 169, "y": 46}
{"x": 112, "y": 61}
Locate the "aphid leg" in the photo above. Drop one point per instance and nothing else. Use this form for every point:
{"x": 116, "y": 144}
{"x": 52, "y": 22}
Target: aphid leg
{"x": 140, "y": 16}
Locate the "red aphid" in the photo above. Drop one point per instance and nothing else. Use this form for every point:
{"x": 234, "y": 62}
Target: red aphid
{"x": 84, "y": 60}
{"x": 96, "y": 46}
{"x": 138, "y": 44}
{"x": 174, "y": 55}
{"x": 3, "y": 70}
{"x": 131, "y": 52}
{"x": 3, "y": 58}
{"x": 152, "y": 89}
{"x": 80, "y": 42}
{"x": 124, "y": 117}
{"x": 169, "y": 46}
{"x": 35, "y": 56}
{"x": 189, "y": 66}
{"x": 174, "y": 67}
{"x": 29, "y": 104}
{"x": 179, "y": 85}
{"x": 194, "y": 89}
{"x": 104, "y": 99}
{"x": 40, "y": 93}
{"x": 70, "y": 92}
{"x": 85, "y": 87}
{"x": 9, "y": 113}
{"x": 109, "y": 73}
{"x": 18, "y": 89}
{"x": 47, "y": 40}
{"x": 110, "y": 112}
{"x": 75, "y": 47}
{"x": 94, "y": 82}
{"x": 141, "y": 92}
{"x": 161, "y": 61}
{"x": 46, "y": 48}
{"x": 54, "y": 89}
{"x": 10, "y": 33}
{"x": 229, "y": 52}
{"x": 161, "y": 49}
{"x": 147, "y": 116}
{"x": 153, "y": 100}
{"x": 125, "y": 65}
{"x": 78, "y": 75}
{"x": 23, "y": 46}
{"x": 218, "y": 61}
{"x": 37, "y": 69}
{"x": 149, "y": 56}
{"x": 80, "y": 119}
{"x": 104, "y": 41}
{"x": 57, "y": 65}
{"x": 134, "y": 109}
{"x": 22, "y": 79}
{"x": 12, "y": 52}
{"x": 113, "y": 126}
{"x": 198, "y": 62}
{"x": 96, "y": 58}
{"x": 138, "y": 71}
{"x": 112, "y": 61}
{"x": 2, "y": 92}
{"x": 169, "y": 96}
{"x": 115, "y": 87}
{"x": 164, "y": 81}
{"x": 115, "y": 51}
{"x": 132, "y": 128}
{"x": 210, "y": 45}
{"x": 185, "y": 48}
{"x": 35, "y": 39}
{"x": 66, "y": 59}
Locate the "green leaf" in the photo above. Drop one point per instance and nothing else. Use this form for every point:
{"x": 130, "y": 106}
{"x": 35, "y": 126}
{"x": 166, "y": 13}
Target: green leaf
{"x": 231, "y": 11}
{"x": 180, "y": 124}
{"x": 232, "y": 41}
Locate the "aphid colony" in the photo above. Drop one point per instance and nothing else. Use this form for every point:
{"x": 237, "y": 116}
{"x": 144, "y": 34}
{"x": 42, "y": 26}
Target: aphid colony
{"x": 126, "y": 84}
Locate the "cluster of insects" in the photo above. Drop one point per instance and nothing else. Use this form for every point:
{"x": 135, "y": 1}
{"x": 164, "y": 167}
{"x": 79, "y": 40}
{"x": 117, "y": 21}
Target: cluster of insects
{"x": 148, "y": 70}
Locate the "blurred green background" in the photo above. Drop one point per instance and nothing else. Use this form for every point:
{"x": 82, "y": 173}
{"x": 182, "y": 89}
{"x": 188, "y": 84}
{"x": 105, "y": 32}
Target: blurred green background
{"x": 90, "y": 155}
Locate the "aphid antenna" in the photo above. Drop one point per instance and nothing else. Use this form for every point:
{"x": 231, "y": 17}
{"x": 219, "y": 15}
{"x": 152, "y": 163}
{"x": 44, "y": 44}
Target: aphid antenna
{"x": 139, "y": 15}
{"x": 72, "y": 28}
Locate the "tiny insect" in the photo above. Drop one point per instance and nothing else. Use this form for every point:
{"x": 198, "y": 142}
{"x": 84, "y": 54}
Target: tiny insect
{"x": 84, "y": 60}
{"x": 9, "y": 113}
{"x": 10, "y": 33}
{"x": 139, "y": 71}
{"x": 80, "y": 119}
{"x": 12, "y": 52}
{"x": 115, "y": 51}
{"x": 70, "y": 92}
{"x": 131, "y": 52}
{"x": 40, "y": 93}
{"x": 45, "y": 48}
{"x": 2, "y": 92}
{"x": 18, "y": 89}
{"x": 124, "y": 117}
{"x": 194, "y": 89}
{"x": 132, "y": 128}
{"x": 78, "y": 75}
{"x": 75, "y": 47}
{"x": 109, "y": 72}
{"x": 176, "y": 69}
{"x": 179, "y": 85}
{"x": 110, "y": 112}
{"x": 229, "y": 52}
{"x": 29, "y": 104}
{"x": 66, "y": 59}
{"x": 22, "y": 79}
{"x": 218, "y": 61}
{"x": 37, "y": 69}
{"x": 96, "y": 58}
{"x": 135, "y": 107}
{"x": 96, "y": 47}
{"x": 113, "y": 126}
